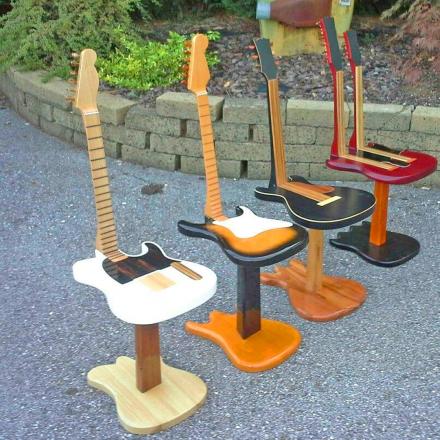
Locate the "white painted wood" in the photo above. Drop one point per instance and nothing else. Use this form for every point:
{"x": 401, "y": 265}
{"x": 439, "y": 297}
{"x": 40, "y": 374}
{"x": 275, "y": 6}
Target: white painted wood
{"x": 135, "y": 303}
{"x": 249, "y": 225}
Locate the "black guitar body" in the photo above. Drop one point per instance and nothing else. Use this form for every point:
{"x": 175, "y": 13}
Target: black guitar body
{"x": 200, "y": 230}
{"x": 134, "y": 267}
{"x": 353, "y": 206}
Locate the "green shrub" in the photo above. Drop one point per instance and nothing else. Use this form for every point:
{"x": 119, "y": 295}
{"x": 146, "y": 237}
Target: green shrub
{"x": 140, "y": 65}
{"x": 42, "y": 33}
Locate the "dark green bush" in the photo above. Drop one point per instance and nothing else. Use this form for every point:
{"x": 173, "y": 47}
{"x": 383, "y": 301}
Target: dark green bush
{"x": 42, "y": 33}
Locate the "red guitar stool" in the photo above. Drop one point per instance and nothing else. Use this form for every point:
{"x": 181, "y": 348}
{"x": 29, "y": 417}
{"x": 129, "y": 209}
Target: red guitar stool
{"x": 384, "y": 165}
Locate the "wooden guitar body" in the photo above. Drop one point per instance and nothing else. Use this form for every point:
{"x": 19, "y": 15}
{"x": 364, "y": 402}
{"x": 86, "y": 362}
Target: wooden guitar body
{"x": 382, "y": 164}
{"x": 263, "y": 241}
{"x": 353, "y": 205}
{"x": 423, "y": 165}
{"x": 250, "y": 342}
{"x": 146, "y": 289}
{"x": 143, "y": 289}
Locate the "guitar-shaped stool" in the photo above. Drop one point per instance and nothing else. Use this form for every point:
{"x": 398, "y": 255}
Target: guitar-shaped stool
{"x": 142, "y": 289}
{"x": 384, "y": 165}
{"x": 315, "y": 296}
{"x": 250, "y": 342}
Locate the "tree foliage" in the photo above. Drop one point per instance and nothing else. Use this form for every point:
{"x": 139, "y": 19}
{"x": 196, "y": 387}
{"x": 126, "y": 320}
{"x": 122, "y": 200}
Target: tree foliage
{"x": 43, "y": 33}
{"x": 422, "y": 25}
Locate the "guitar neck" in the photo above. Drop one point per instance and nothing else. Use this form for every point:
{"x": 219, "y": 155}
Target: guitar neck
{"x": 106, "y": 239}
{"x": 213, "y": 205}
{"x": 338, "y": 146}
{"x": 276, "y": 131}
{"x": 357, "y": 140}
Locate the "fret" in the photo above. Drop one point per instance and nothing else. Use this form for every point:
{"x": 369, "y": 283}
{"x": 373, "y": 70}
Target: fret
{"x": 95, "y": 143}
{"x": 104, "y": 204}
{"x": 213, "y": 205}
{"x": 100, "y": 182}
{"x": 103, "y": 223}
{"x": 97, "y": 153}
{"x": 94, "y": 131}
{"x": 105, "y": 217}
{"x": 91, "y": 120}
{"x": 103, "y": 196}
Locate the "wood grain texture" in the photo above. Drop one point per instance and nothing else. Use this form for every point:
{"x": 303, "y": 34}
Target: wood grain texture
{"x": 147, "y": 344}
{"x": 337, "y": 297}
{"x": 315, "y": 257}
{"x": 178, "y": 396}
{"x": 279, "y": 151}
{"x": 378, "y": 231}
{"x": 292, "y": 41}
{"x": 269, "y": 347}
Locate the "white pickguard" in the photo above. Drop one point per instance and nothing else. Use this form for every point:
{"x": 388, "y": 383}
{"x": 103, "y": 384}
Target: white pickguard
{"x": 135, "y": 303}
{"x": 249, "y": 225}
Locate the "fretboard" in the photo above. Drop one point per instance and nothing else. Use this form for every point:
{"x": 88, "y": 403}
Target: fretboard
{"x": 279, "y": 152}
{"x": 213, "y": 205}
{"x": 339, "y": 130}
{"x": 106, "y": 239}
{"x": 358, "y": 141}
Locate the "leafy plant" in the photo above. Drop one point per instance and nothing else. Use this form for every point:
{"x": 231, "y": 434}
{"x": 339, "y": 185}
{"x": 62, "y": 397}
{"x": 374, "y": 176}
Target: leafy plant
{"x": 39, "y": 34}
{"x": 140, "y": 65}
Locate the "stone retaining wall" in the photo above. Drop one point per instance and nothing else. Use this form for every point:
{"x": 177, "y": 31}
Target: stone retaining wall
{"x": 168, "y": 136}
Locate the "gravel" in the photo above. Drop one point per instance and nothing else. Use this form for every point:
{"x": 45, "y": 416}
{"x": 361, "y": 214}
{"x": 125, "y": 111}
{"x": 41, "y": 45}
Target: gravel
{"x": 372, "y": 375}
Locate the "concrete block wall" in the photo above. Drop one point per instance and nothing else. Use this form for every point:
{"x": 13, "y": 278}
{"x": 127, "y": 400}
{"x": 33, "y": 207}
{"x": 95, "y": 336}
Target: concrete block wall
{"x": 168, "y": 135}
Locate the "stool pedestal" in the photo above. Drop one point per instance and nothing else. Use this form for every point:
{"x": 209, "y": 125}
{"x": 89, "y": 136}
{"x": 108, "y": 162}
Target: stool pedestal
{"x": 150, "y": 396}
{"x": 250, "y": 342}
{"x": 372, "y": 241}
{"x": 314, "y": 295}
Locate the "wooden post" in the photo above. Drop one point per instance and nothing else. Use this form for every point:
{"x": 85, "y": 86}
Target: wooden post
{"x": 378, "y": 231}
{"x": 248, "y": 301}
{"x": 148, "y": 373}
{"x": 315, "y": 261}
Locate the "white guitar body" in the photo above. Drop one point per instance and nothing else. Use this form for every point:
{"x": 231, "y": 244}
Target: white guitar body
{"x": 135, "y": 303}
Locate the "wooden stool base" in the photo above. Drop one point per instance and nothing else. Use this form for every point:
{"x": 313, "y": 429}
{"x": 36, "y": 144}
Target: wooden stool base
{"x": 337, "y": 297}
{"x": 178, "y": 396}
{"x": 265, "y": 349}
{"x": 397, "y": 249}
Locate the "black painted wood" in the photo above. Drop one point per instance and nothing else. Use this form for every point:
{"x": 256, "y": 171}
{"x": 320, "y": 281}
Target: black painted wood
{"x": 398, "y": 249}
{"x": 355, "y": 205}
{"x": 134, "y": 267}
{"x": 248, "y": 301}
{"x": 200, "y": 230}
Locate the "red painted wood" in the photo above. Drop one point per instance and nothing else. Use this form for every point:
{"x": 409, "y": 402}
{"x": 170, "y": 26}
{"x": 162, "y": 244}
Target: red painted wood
{"x": 421, "y": 167}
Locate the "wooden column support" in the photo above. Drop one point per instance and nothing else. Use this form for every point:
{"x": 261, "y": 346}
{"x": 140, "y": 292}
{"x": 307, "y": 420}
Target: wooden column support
{"x": 314, "y": 295}
{"x": 378, "y": 230}
{"x": 315, "y": 261}
{"x": 248, "y": 301}
{"x": 148, "y": 374}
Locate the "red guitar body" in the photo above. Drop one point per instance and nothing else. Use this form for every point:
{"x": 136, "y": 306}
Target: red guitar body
{"x": 423, "y": 166}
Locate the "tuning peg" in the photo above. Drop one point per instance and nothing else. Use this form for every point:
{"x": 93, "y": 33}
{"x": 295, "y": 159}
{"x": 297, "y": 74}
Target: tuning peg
{"x": 251, "y": 47}
{"x": 72, "y": 81}
{"x": 188, "y": 43}
{"x": 254, "y": 57}
{"x": 277, "y": 62}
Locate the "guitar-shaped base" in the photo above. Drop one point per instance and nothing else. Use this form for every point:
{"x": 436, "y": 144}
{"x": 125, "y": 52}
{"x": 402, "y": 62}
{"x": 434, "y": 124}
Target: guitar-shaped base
{"x": 178, "y": 396}
{"x": 265, "y": 349}
{"x": 336, "y": 297}
{"x": 397, "y": 249}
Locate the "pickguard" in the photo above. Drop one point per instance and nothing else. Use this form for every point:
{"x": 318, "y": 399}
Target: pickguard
{"x": 132, "y": 268}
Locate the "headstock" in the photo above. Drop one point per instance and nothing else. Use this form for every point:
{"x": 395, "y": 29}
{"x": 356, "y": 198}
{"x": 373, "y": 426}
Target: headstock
{"x": 332, "y": 51}
{"x": 268, "y": 65}
{"x": 85, "y": 93}
{"x": 352, "y": 49}
{"x": 197, "y": 70}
